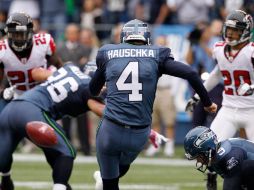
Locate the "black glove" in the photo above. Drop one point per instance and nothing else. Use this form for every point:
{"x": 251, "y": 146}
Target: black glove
{"x": 192, "y": 102}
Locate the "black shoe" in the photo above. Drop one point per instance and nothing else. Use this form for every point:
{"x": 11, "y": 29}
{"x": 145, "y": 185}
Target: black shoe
{"x": 6, "y": 183}
{"x": 211, "y": 183}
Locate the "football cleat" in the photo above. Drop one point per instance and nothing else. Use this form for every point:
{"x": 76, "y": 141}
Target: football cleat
{"x": 98, "y": 180}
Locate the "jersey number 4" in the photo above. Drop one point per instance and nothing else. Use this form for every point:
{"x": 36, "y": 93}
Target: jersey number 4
{"x": 132, "y": 70}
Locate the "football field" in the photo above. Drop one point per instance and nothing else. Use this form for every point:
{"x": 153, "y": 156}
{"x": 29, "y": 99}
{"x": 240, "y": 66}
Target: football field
{"x": 30, "y": 171}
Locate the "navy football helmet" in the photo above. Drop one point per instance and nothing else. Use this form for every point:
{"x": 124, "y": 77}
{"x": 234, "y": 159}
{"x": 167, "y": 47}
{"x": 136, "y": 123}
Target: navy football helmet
{"x": 19, "y": 29}
{"x": 136, "y": 30}
{"x": 238, "y": 19}
{"x": 201, "y": 143}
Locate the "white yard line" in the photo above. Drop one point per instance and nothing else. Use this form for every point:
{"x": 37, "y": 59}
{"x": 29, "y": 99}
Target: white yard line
{"x": 92, "y": 159}
{"x": 43, "y": 185}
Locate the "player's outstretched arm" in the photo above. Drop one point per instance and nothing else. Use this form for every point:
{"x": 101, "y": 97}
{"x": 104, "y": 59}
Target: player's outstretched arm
{"x": 40, "y": 74}
{"x": 96, "y": 107}
{"x": 181, "y": 70}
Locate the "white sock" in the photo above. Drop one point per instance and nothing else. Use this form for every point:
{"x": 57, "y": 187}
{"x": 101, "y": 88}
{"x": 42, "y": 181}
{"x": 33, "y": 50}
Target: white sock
{"x": 59, "y": 186}
{"x": 6, "y": 174}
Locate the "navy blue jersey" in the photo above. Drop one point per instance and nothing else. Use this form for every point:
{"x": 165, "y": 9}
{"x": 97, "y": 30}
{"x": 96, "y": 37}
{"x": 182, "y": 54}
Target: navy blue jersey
{"x": 131, "y": 73}
{"x": 230, "y": 156}
{"x": 66, "y": 92}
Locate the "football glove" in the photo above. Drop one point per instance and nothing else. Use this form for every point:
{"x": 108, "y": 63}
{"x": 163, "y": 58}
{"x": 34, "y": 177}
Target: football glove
{"x": 8, "y": 93}
{"x": 157, "y": 139}
{"x": 245, "y": 89}
{"x": 192, "y": 102}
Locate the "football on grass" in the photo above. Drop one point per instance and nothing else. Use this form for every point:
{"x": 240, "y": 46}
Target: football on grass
{"x": 41, "y": 133}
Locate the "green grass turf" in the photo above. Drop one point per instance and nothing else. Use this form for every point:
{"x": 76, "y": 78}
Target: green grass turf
{"x": 166, "y": 177}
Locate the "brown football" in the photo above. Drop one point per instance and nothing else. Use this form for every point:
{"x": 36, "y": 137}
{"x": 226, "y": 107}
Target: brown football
{"x": 41, "y": 133}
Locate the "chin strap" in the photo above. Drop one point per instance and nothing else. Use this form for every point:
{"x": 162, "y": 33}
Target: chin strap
{"x": 203, "y": 167}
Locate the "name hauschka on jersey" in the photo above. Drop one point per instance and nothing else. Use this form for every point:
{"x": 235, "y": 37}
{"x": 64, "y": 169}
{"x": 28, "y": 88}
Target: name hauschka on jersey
{"x": 130, "y": 53}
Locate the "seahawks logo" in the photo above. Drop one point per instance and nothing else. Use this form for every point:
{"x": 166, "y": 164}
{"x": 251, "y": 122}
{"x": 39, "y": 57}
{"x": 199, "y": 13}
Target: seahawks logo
{"x": 231, "y": 163}
{"x": 203, "y": 138}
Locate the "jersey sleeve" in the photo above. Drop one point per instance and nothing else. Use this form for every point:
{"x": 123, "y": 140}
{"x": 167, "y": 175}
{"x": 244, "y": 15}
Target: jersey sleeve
{"x": 165, "y": 54}
{"x": 98, "y": 78}
{"x": 51, "y": 45}
{"x": 184, "y": 71}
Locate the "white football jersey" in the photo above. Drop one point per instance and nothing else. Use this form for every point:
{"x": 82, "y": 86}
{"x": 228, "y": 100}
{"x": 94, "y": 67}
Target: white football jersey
{"x": 235, "y": 71}
{"x": 18, "y": 71}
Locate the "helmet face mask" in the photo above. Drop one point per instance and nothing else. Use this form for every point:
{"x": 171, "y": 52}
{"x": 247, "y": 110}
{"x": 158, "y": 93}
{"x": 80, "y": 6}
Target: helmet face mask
{"x": 241, "y": 23}
{"x": 201, "y": 144}
{"x": 136, "y": 31}
{"x": 19, "y": 29}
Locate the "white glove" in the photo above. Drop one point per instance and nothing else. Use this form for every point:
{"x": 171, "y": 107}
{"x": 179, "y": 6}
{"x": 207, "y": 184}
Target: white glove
{"x": 157, "y": 139}
{"x": 192, "y": 102}
{"x": 8, "y": 93}
{"x": 245, "y": 89}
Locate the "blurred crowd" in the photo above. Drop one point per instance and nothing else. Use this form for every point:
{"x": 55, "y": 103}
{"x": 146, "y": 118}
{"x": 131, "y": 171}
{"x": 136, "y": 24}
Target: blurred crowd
{"x": 80, "y": 27}
{"x": 102, "y": 15}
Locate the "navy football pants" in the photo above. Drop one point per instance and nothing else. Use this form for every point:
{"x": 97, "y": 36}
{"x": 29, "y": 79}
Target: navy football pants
{"x": 118, "y": 145}
{"x": 13, "y": 120}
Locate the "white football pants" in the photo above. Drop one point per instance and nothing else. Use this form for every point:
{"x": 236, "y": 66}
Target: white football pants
{"x": 229, "y": 120}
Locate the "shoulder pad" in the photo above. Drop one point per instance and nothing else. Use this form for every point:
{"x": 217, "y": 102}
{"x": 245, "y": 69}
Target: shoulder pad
{"x": 166, "y": 52}
{"x": 42, "y": 38}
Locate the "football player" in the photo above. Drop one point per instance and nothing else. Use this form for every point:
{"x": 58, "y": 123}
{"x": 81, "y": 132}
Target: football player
{"x": 232, "y": 159}
{"x": 22, "y": 51}
{"x": 65, "y": 92}
{"x": 235, "y": 59}
{"x": 131, "y": 70}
